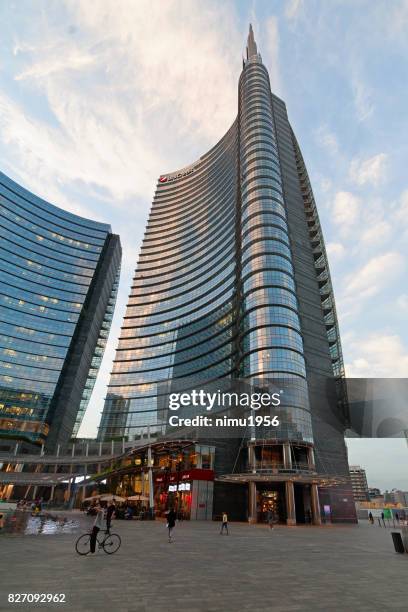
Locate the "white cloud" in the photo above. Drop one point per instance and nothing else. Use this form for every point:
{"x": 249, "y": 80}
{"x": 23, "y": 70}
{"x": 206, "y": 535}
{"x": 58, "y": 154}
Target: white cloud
{"x": 374, "y": 276}
{"x": 293, "y": 8}
{"x": 401, "y": 212}
{"x": 363, "y": 98}
{"x": 377, "y": 233}
{"x": 402, "y": 302}
{"x": 325, "y": 185}
{"x": 371, "y": 171}
{"x": 327, "y": 140}
{"x": 335, "y": 250}
{"x": 72, "y": 61}
{"x": 346, "y": 210}
{"x": 378, "y": 356}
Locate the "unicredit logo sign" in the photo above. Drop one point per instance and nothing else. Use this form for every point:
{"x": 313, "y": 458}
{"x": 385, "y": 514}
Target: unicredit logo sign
{"x": 165, "y": 179}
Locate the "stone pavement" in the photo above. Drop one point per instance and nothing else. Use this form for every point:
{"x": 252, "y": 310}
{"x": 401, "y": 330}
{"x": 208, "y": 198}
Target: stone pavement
{"x": 347, "y": 568}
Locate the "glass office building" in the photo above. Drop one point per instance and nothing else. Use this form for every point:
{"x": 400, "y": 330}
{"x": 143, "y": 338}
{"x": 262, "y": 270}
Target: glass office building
{"x": 233, "y": 282}
{"x": 59, "y": 275}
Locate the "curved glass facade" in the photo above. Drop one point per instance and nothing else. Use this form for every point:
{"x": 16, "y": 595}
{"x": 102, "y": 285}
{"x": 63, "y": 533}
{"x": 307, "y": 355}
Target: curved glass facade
{"x": 52, "y": 266}
{"x": 181, "y": 312}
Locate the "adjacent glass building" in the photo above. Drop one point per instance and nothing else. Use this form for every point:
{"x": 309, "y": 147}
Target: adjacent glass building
{"x": 58, "y": 281}
{"x": 233, "y": 282}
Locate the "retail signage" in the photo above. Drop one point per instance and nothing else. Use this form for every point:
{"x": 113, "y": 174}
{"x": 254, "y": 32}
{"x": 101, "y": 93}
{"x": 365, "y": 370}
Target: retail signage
{"x": 184, "y": 486}
{"x": 173, "y": 177}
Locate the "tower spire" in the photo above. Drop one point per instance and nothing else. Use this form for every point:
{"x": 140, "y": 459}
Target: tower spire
{"x": 251, "y": 44}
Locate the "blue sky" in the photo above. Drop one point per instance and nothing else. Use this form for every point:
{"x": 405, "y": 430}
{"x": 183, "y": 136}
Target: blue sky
{"x": 99, "y": 98}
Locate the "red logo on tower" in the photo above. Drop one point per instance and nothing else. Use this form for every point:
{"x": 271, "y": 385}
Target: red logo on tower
{"x": 163, "y": 179}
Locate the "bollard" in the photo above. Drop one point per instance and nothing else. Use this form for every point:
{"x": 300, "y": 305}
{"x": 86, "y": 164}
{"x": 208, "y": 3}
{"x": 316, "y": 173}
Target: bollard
{"x": 397, "y": 541}
{"x": 404, "y": 534}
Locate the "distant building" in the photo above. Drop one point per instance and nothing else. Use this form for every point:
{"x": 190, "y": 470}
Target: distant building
{"x": 373, "y": 493}
{"x": 397, "y": 497}
{"x": 359, "y": 483}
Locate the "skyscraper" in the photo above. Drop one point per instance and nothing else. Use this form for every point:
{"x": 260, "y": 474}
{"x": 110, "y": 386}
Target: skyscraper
{"x": 59, "y": 274}
{"x": 233, "y": 282}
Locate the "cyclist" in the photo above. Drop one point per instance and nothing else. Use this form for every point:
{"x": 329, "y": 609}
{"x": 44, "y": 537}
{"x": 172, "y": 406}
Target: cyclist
{"x": 97, "y": 526}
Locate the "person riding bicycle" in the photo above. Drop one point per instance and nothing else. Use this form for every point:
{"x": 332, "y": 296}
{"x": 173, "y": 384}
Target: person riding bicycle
{"x": 97, "y": 526}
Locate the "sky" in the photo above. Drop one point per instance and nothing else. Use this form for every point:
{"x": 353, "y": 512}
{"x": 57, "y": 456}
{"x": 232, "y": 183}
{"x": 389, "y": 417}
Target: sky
{"x": 97, "y": 99}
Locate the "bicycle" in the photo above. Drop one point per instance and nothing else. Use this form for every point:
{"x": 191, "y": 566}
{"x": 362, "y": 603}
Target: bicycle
{"x": 110, "y": 543}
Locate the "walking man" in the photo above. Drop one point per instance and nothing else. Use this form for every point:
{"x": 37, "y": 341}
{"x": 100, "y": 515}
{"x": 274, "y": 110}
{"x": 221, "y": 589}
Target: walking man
{"x": 224, "y": 523}
{"x": 97, "y": 526}
{"x": 171, "y": 522}
{"x": 270, "y": 517}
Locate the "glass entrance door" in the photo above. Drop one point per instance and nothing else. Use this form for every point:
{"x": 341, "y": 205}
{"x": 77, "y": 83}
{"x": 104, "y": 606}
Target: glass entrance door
{"x": 271, "y": 500}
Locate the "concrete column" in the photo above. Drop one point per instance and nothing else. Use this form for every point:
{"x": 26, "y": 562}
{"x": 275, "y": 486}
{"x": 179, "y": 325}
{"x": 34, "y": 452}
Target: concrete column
{"x": 290, "y": 503}
{"x": 252, "y": 513}
{"x": 70, "y": 482}
{"x": 311, "y": 458}
{"x": 53, "y": 486}
{"x": 151, "y": 490}
{"x": 314, "y": 494}
{"x": 84, "y": 486}
{"x": 287, "y": 456}
{"x": 112, "y": 447}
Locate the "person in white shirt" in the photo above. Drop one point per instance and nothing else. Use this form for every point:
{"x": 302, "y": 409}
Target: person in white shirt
{"x": 224, "y": 523}
{"x": 97, "y": 526}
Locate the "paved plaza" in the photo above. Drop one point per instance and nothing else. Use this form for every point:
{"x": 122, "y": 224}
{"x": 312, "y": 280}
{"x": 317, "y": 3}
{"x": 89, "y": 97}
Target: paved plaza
{"x": 291, "y": 568}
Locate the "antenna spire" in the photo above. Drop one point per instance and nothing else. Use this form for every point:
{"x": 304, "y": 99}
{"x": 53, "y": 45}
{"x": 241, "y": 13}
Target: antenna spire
{"x": 251, "y": 45}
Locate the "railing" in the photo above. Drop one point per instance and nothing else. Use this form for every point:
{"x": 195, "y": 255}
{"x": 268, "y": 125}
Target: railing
{"x": 266, "y": 467}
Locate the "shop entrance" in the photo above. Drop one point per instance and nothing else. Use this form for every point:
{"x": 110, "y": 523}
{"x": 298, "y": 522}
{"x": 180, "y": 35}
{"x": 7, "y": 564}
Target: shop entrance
{"x": 270, "y": 498}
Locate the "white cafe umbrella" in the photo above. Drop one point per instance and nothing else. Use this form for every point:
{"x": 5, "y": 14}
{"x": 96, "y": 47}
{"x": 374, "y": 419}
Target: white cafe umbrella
{"x": 92, "y": 498}
{"x": 109, "y": 497}
{"x": 138, "y": 498}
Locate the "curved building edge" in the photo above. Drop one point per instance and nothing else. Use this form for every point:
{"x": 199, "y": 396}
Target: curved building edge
{"x": 59, "y": 274}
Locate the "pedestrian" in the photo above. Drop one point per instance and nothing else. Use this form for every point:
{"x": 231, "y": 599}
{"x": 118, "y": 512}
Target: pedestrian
{"x": 371, "y": 518}
{"x": 382, "y": 518}
{"x": 270, "y": 518}
{"x": 97, "y": 526}
{"x": 397, "y": 517}
{"x": 171, "y": 522}
{"x": 224, "y": 523}
{"x": 110, "y": 513}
